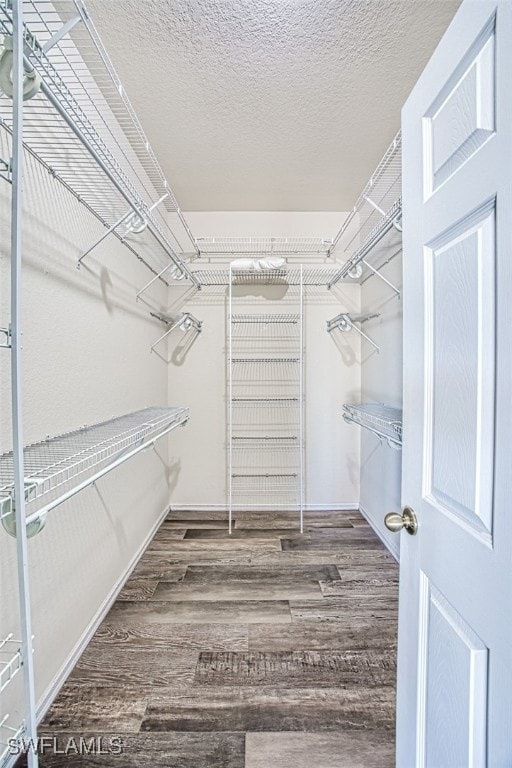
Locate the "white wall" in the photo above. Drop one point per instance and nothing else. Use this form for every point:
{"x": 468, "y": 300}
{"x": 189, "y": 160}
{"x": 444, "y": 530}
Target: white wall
{"x": 197, "y": 376}
{"x": 381, "y": 381}
{"x": 86, "y": 358}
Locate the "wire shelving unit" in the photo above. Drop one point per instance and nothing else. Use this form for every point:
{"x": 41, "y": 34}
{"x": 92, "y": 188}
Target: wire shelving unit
{"x": 382, "y": 420}
{"x": 265, "y": 393}
{"x": 377, "y": 212}
{"x": 59, "y": 467}
{"x": 82, "y": 128}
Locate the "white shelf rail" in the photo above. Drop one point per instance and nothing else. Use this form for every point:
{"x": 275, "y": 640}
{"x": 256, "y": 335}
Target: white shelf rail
{"x": 382, "y": 420}
{"x": 345, "y": 322}
{"x": 80, "y": 458}
{"x": 97, "y": 148}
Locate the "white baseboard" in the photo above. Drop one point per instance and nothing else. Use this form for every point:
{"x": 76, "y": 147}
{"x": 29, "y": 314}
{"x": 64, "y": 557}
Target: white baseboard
{"x": 392, "y": 550}
{"x": 331, "y": 507}
{"x": 53, "y": 689}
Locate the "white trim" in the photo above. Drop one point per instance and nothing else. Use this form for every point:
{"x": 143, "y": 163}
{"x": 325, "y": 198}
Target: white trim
{"x": 392, "y": 550}
{"x": 351, "y": 506}
{"x": 57, "y": 683}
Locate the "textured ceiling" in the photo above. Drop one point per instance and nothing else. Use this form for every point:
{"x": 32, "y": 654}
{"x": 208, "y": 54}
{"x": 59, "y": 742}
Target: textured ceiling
{"x": 269, "y": 104}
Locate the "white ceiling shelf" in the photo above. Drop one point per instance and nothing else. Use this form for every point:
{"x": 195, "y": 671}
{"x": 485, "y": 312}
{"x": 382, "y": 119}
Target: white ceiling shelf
{"x": 83, "y": 130}
{"x": 314, "y": 276}
{"x": 59, "y": 467}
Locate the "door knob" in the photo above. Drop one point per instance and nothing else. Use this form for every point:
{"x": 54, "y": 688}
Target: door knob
{"x": 395, "y": 521}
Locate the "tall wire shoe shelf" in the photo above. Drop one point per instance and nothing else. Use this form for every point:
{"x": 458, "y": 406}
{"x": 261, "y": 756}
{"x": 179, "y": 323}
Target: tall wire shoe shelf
{"x": 265, "y": 391}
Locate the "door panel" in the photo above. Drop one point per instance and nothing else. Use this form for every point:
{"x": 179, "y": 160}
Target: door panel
{"x": 453, "y": 689}
{"x": 455, "y": 632}
{"x": 460, "y": 315}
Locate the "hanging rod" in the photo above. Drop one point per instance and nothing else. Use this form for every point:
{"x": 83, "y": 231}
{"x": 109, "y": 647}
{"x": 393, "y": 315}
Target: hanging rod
{"x": 388, "y": 222}
{"x": 382, "y": 420}
{"x": 345, "y": 322}
{"x": 51, "y": 464}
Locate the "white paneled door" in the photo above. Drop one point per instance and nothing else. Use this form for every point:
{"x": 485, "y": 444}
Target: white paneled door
{"x": 455, "y": 630}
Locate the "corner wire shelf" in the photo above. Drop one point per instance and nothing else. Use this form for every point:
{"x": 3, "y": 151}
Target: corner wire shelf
{"x": 81, "y": 457}
{"x": 84, "y": 131}
{"x": 378, "y": 210}
{"x": 263, "y": 246}
{"x": 10, "y": 660}
{"x": 314, "y": 276}
{"x": 382, "y": 420}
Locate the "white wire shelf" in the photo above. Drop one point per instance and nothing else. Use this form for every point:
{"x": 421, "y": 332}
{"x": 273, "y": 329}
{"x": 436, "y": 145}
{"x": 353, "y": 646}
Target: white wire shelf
{"x": 10, "y": 660}
{"x": 377, "y": 211}
{"x": 264, "y": 246}
{"x": 81, "y": 456}
{"x": 383, "y": 420}
{"x": 82, "y": 128}
{"x": 272, "y": 360}
{"x": 315, "y": 276}
{"x": 267, "y": 319}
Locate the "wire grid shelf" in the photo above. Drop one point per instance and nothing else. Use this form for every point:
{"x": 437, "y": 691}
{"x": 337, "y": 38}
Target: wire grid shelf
{"x": 381, "y": 194}
{"x": 10, "y": 660}
{"x": 52, "y": 463}
{"x": 382, "y": 420}
{"x": 77, "y": 73}
{"x": 263, "y": 246}
{"x": 315, "y": 276}
{"x": 265, "y": 319}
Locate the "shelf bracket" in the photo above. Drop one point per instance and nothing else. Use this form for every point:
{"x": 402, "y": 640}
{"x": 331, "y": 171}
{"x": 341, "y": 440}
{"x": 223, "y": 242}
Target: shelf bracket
{"x": 130, "y": 215}
{"x": 384, "y": 279}
{"x": 186, "y": 322}
{"x": 176, "y": 274}
{"x": 345, "y": 322}
{"x": 374, "y": 205}
{"x": 8, "y": 335}
{"x": 62, "y": 32}
{"x": 6, "y": 170}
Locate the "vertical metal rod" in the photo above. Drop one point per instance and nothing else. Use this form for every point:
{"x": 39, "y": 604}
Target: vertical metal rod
{"x": 17, "y": 382}
{"x": 301, "y": 400}
{"x": 230, "y": 395}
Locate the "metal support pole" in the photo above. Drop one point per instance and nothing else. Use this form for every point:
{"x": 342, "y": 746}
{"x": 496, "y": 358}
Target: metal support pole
{"x": 301, "y": 400}
{"x": 17, "y": 381}
{"x": 230, "y": 395}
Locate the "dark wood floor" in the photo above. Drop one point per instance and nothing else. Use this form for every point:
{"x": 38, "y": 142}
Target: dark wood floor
{"x": 264, "y": 648}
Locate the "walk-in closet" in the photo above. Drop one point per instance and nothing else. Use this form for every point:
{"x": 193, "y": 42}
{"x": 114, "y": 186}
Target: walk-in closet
{"x": 255, "y": 377}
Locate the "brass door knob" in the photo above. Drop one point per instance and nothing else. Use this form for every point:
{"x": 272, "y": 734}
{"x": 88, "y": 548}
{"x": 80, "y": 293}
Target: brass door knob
{"x": 395, "y": 522}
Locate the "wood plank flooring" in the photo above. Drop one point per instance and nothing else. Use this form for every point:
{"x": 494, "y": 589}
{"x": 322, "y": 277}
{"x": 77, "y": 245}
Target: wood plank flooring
{"x": 266, "y": 648}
